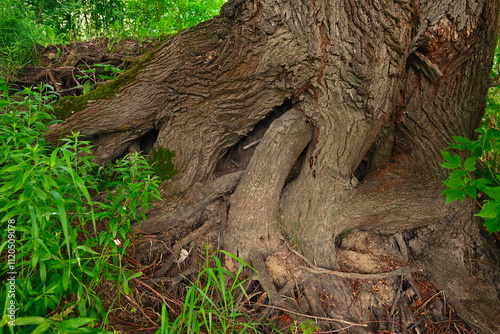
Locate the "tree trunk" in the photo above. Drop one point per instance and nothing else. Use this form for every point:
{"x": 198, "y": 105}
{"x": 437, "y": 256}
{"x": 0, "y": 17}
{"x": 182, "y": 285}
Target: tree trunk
{"x": 366, "y": 94}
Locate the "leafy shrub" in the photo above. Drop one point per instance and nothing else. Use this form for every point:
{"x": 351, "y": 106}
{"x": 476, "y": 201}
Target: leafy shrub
{"x": 67, "y": 242}
{"x": 82, "y": 19}
{"x": 166, "y": 17}
{"x": 466, "y": 179}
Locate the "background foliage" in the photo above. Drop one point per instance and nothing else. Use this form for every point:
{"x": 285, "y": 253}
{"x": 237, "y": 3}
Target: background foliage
{"x": 110, "y": 18}
{"x": 27, "y": 23}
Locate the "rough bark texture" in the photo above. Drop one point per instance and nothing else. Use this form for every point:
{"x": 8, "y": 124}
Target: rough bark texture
{"x": 377, "y": 89}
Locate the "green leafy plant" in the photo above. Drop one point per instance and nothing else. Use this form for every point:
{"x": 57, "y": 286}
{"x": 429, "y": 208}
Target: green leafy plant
{"x": 67, "y": 243}
{"x": 108, "y": 68}
{"x": 53, "y": 324}
{"x": 478, "y": 175}
{"x": 91, "y": 77}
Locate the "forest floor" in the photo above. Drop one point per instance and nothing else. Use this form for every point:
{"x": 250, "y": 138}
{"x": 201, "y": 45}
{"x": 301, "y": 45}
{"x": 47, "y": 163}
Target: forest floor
{"x": 71, "y": 70}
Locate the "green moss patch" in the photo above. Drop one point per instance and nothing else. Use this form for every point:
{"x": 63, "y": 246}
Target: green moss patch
{"x": 161, "y": 160}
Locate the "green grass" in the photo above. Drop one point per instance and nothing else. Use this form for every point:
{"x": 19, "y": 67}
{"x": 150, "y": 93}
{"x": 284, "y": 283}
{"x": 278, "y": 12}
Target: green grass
{"x": 210, "y": 303}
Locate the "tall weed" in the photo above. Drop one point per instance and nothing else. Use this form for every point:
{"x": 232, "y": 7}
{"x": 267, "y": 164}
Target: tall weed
{"x": 67, "y": 243}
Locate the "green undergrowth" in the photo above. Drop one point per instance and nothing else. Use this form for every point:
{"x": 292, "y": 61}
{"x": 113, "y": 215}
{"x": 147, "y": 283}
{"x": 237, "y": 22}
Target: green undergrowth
{"x": 65, "y": 222}
{"x": 19, "y": 38}
{"x": 474, "y": 164}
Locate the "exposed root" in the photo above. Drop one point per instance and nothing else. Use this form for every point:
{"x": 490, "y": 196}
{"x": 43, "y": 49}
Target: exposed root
{"x": 318, "y": 270}
{"x": 266, "y": 282}
{"x": 446, "y": 262}
{"x": 324, "y": 319}
{"x": 61, "y": 66}
{"x": 396, "y": 272}
{"x": 253, "y": 215}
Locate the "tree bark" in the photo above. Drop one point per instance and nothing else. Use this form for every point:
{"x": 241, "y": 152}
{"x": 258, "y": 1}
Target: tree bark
{"x": 377, "y": 89}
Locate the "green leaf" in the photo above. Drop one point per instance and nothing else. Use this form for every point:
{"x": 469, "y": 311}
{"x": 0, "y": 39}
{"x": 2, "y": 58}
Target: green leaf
{"x": 74, "y": 323}
{"x": 449, "y": 165}
{"x": 31, "y": 321}
{"x": 88, "y": 249}
{"x": 453, "y": 194}
{"x": 66, "y": 276}
{"x": 493, "y": 192}
{"x": 461, "y": 140}
{"x": 459, "y": 173}
{"x": 453, "y": 161}
{"x": 91, "y": 273}
{"x": 456, "y": 179}
{"x": 243, "y": 262}
{"x": 42, "y": 328}
{"x": 43, "y": 272}
{"x": 470, "y": 164}
{"x": 62, "y": 216}
{"x": 491, "y": 209}
{"x": 105, "y": 77}
{"x": 471, "y": 191}
{"x": 480, "y": 183}
{"x": 11, "y": 168}
{"x": 135, "y": 275}
{"x": 492, "y": 224}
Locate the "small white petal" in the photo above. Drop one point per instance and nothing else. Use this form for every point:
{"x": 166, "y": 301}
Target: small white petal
{"x": 183, "y": 256}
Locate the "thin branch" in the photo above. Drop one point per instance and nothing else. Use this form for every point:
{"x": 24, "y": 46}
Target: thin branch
{"x": 318, "y": 270}
{"x": 350, "y": 324}
{"x": 251, "y": 144}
